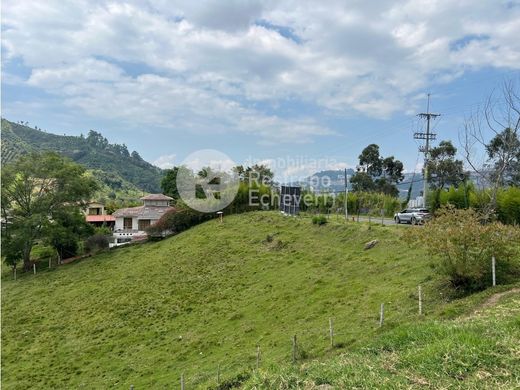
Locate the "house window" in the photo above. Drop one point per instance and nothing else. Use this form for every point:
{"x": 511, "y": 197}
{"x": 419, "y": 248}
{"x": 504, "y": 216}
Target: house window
{"x": 127, "y": 223}
{"x": 143, "y": 224}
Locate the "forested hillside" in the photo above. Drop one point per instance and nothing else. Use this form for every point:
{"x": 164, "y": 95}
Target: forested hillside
{"x": 112, "y": 164}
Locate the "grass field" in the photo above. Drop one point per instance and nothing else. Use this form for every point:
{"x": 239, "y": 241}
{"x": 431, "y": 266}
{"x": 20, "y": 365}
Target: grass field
{"x": 143, "y": 315}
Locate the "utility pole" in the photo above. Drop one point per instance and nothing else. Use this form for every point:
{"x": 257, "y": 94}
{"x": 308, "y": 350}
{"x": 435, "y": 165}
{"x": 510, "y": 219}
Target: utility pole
{"x": 346, "y": 196}
{"x": 428, "y": 136}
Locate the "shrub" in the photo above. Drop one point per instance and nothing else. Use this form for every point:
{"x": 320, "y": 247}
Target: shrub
{"x": 176, "y": 221}
{"x": 96, "y": 243}
{"x": 464, "y": 245}
{"x": 509, "y": 205}
{"x": 319, "y": 220}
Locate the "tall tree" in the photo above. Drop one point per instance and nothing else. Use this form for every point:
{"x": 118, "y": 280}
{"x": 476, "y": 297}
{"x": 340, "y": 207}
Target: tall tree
{"x": 504, "y": 157}
{"x": 169, "y": 183}
{"x": 376, "y": 173}
{"x": 35, "y": 189}
{"x": 443, "y": 169}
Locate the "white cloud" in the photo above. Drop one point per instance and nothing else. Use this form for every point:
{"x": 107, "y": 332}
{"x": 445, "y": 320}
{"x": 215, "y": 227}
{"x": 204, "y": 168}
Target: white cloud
{"x": 217, "y": 67}
{"x": 166, "y": 161}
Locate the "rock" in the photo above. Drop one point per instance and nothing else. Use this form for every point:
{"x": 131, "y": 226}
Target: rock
{"x": 371, "y": 244}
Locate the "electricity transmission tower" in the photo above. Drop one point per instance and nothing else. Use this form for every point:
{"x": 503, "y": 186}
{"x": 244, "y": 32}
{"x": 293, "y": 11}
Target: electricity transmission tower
{"x": 428, "y": 136}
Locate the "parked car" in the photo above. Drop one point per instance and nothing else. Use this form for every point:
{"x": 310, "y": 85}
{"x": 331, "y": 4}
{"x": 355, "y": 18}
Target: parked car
{"x": 414, "y": 216}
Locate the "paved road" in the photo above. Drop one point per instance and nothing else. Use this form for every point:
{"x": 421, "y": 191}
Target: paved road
{"x": 386, "y": 221}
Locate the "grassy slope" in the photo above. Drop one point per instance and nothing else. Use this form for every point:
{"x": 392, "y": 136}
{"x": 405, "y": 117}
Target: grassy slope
{"x": 478, "y": 352}
{"x": 143, "y": 315}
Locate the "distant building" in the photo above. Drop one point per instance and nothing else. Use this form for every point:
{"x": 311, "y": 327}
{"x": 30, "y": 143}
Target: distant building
{"x": 131, "y": 222}
{"x": 96, "y": 215}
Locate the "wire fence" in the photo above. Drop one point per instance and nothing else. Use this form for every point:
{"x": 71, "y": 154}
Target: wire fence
{"x": 300, "y": 346}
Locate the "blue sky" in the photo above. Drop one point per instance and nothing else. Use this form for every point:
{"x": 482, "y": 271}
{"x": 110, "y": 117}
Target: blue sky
{"x": 261, "y": 80}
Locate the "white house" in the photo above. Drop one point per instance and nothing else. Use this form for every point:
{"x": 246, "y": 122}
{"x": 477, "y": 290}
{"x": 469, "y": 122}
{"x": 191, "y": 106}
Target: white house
{"x": 132, "y": 222}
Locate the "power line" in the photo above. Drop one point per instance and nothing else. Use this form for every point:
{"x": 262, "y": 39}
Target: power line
{"x": 427, "y": 137}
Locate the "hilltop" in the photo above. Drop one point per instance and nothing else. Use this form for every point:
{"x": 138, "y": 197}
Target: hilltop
{"x": 207, "y": 297}
{"x": 112, "y": 164}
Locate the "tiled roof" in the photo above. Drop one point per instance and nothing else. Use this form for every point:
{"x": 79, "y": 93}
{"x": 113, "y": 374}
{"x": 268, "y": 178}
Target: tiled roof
{"x": 142, "y": 212}
{"x": 156, "y": 197}
{"x": 100, "y": 218}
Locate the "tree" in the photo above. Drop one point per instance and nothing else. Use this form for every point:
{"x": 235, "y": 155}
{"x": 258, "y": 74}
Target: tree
{"x": 169, "y": 183}
{"x": 36, "y": 190}
{"x": 371, "y": 161}
{"x": 504, "y": 155}
{"x": 443, "y": 169}
{"x": 376, "y": 173}
{"x": 362, "y": 182}
{"x": 500, "y": 118}
{"x": 65, "y": 229}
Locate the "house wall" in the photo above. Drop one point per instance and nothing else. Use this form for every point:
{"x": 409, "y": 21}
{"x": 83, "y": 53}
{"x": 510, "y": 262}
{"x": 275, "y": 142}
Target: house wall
{"x": 120, "y": 226}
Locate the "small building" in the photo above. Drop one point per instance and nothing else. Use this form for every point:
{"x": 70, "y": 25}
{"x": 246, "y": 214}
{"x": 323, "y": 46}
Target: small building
{"x": 96, "y": 215}
{"x": 131, "y": 222}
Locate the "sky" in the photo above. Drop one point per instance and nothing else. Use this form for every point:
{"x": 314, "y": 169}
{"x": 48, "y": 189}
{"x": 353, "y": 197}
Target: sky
{"x": 300, "y": 85}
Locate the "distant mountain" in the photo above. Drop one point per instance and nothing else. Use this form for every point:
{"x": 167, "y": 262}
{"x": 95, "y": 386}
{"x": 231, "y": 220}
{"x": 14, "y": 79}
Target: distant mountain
{"x": 334, "y": 181}
{"x": 112, "y": 164}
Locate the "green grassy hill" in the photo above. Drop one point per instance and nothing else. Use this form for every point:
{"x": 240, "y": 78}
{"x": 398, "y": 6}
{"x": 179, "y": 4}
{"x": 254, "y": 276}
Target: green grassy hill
{"x": 143, "y": 315}
{"x": 115, "y": 167}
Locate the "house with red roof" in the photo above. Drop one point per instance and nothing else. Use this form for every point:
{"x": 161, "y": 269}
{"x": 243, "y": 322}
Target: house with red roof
{"x": 96, "y": 215}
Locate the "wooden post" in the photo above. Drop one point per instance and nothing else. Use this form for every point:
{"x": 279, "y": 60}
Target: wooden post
{"x": 14, "y": 272}
{"x": 382, "y": 315}
{"x": 294, "y": 349}
{"x": 131, "y": 387}
{"x": 34, "y": 268}
{"x": 182, "y": 381}
{"x": 420, "y": 300}
{"x": 493, "y": 274}
{"x": 257, "y": 356}
{"x": 331, "y": 333}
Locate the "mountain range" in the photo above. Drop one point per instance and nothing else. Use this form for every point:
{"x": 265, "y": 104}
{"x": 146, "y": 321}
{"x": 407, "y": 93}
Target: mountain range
{"x": 115, "y": 167}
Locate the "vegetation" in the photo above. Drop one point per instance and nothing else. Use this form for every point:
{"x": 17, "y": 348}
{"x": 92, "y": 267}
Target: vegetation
{"x": 464, "y": 246}
{"x": 319, "y": 220}
{"x": 475, "y": 352}
{"x": 41, "y": 198}
{"x": 142, "y": 315}
{"x": 112, "y": 164}
{"x": 376, "y": 173}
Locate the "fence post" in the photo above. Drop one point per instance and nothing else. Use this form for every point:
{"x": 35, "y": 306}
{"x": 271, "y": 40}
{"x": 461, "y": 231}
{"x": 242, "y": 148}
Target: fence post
{"x": 331, "y": 333}
{"x": 420, "y": 300}
{"x": 182, "y": 381}
{"x": 294, "y": 349}
{"x": 257, "y": 356}
{"x": 382, "y": 315}
{"x": 34, "y": 268}
{"x": 131, "y": 387}
{"x": 493, "y": 274}
{"x": 14, "y": 272}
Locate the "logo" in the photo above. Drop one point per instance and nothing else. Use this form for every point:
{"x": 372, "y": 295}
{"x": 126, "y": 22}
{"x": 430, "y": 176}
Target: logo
{"x": 206, "y": 181}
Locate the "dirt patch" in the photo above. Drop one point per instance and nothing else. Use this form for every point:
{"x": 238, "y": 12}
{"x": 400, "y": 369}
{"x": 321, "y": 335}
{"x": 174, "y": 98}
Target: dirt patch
{"x": 493, "y": 300}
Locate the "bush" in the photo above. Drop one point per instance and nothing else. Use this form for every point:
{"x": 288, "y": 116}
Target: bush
{"x": 96, "y": 243}
{"x": 509, "y": 205}
{"x": 464, "y": 245}
{"x": 176, "y": 221}
{"x": 319, "y": 220}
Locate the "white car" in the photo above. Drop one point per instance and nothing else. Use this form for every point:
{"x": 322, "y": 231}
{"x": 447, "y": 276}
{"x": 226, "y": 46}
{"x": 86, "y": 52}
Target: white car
{"x": 413, "y": 216}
